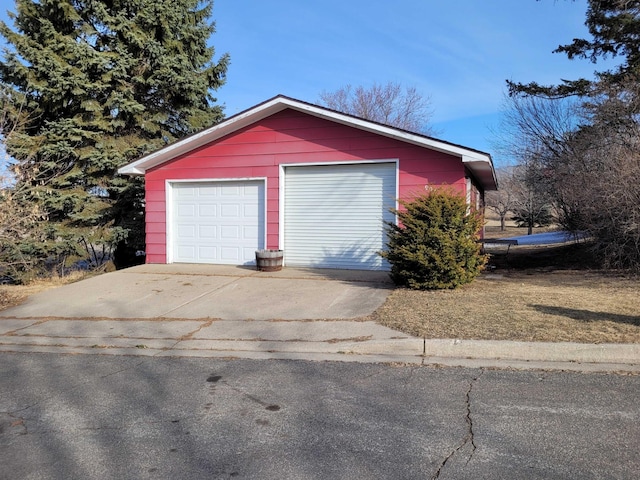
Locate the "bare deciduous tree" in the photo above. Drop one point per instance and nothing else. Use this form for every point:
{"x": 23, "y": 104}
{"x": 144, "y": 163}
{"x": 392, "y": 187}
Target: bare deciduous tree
{"x": 390, "y": 104}
{"x": 502, "y": 201}
{"x": 534, "y": 132}
{"x": 586, "y": 158}
{"x": 21, "y": 220}
{"x": 531, "y": 126}
{"x": 532, "y": 204}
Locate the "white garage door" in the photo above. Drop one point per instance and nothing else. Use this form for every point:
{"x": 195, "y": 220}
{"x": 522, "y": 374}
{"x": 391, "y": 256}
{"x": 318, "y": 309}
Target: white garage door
{"x": 217, "y": 222}
{"x": 334, "y": 215}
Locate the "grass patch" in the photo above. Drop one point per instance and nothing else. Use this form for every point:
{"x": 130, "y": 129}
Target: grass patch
{"x": 544, "y": 294}
{"x": 12, "y": 295}
{"x": 10, "y": 298}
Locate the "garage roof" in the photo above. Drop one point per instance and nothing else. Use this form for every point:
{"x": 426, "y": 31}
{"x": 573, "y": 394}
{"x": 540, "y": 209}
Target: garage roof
{"x": 479, "y": 163}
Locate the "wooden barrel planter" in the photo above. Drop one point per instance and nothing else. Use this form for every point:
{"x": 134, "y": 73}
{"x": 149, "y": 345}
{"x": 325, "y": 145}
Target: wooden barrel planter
{"x": 269, "y": 260}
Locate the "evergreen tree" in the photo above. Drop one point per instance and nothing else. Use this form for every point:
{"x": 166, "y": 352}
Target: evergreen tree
{"x": 434, "y": 245}
{"x": 103, "y": 82}
{"x": 613, "y": 26}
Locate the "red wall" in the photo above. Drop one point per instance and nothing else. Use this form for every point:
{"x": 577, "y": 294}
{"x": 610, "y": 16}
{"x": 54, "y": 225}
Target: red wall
{"x": 290, "y": 137}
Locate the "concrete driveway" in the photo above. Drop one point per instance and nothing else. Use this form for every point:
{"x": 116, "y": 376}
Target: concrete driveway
{"x": 213, "y": 291}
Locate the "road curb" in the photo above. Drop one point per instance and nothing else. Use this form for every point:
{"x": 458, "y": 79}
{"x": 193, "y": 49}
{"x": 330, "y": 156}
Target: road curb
{"x": 438, "y": 352}
{"x": 534, "y": 351}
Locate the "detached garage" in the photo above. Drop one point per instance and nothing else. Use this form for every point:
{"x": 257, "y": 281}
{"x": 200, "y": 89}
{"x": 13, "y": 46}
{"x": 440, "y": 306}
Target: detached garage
{"x": 294, "y": 176}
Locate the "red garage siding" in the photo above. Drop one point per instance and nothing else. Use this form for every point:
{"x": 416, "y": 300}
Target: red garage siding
{"x": 290, "y": 137}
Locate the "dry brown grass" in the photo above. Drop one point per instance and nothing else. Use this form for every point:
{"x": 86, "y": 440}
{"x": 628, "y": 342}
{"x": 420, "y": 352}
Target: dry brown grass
{"x": 11, "y": 295}
{"x": 534, "y": 294}
{"x": 562, "y": 306}
{"x": 492, "y": 230}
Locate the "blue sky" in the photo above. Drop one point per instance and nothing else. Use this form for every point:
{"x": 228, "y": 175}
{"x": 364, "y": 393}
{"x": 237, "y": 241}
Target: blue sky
{"x": 459, "y": 53}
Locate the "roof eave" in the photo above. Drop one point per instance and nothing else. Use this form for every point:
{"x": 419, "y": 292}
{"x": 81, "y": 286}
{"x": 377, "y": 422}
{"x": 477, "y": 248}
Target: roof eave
{"x": 181, "y": 147}
{"x": 479, "y": 163}
{"x": 483, "y": 171}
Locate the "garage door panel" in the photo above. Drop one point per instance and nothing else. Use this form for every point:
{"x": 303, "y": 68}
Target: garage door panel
{"x": 186, "y": 251}
{"x": 186, "y": 210}
{"x": 185, "y": 192}
{"x": 208, "y": 253}
{"x": 230, "y": 232}
{"x": 230, "y": 253}
{"x": 334, "y": 214}
{"x": 186, "y": 231}
{"x": 218, "y": 222}
{"x": 230, "y": 210}
{"x": 231, "y": 190}
{"x": 249, "y": 233}
{"x": 208, "y": 231}
{"x": 207, "y": 191}
{"x": 208, "y": 210}
{"x": 250, "y": 210}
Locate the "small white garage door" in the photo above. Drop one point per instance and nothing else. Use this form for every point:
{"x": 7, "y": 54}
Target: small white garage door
{"x": 334, "y": 215}
{"x": 217, "y": 222}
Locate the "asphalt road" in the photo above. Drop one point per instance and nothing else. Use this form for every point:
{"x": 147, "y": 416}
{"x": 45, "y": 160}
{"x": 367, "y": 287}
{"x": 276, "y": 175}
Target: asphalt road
{"x": 104, "y": 417}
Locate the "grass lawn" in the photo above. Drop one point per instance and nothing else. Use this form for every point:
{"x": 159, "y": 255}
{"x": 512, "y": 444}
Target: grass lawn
{"x": 545, "y": 294}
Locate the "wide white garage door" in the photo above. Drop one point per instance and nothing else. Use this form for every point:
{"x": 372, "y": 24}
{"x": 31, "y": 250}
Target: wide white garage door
{"x": 217, "y": 222}
{"x": 334, "y": 215}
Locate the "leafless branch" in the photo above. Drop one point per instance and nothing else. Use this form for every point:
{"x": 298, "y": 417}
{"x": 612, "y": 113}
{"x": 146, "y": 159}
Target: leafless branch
{"x": 390, "y": 104}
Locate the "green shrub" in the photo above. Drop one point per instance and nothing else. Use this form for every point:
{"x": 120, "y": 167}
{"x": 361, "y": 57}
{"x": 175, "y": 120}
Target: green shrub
{"x": 434, "y": 245}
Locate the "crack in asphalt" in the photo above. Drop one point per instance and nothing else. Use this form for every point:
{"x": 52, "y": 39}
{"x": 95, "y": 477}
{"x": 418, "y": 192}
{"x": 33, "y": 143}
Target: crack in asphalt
{"x": 412, "y": 370}
{"x": 13, "y": 422}
{"x": 215, "y": 380}
{"x": 130, "y": 367}
{"x": 21, "y": 421}
{"x": 17, "y": 420}
{"x": 364, "y": 378}
{"x": 131, "y": 425}
{"x": 469, "y": 438}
